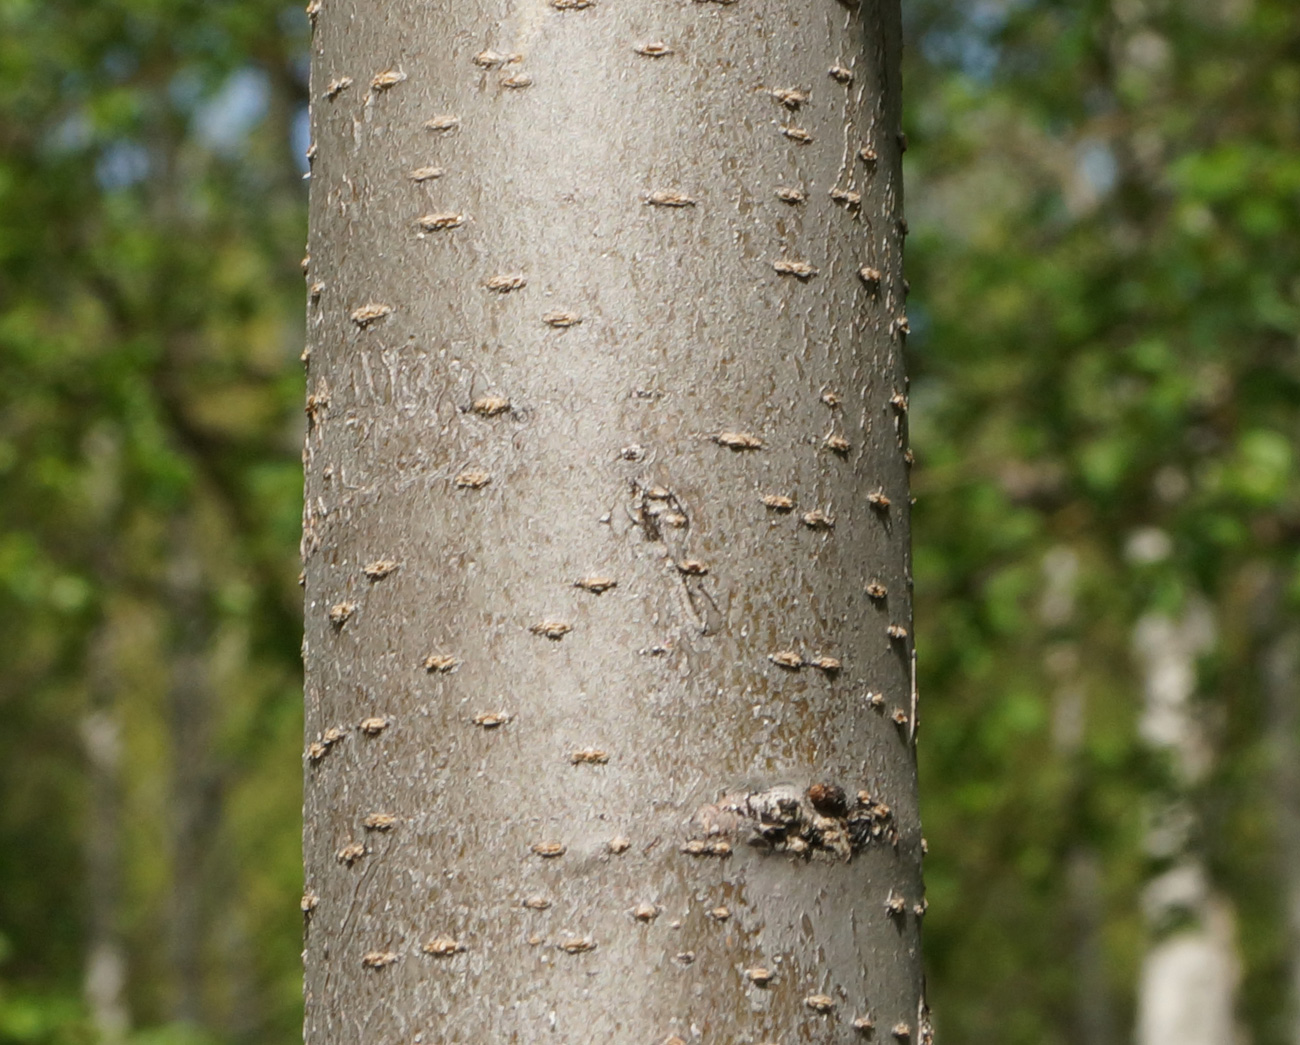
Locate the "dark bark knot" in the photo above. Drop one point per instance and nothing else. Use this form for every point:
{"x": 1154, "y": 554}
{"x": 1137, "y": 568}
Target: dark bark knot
{"x": 821, "y": 820}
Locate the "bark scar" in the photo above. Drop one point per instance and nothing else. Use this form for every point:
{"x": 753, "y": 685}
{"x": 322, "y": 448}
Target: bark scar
{"x": 663, "y": 516}
{"x": 819, "y": 820}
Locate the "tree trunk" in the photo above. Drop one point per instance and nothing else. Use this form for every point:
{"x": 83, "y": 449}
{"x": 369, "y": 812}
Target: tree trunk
{"x": 195, "y": 788}
{"x": 1188, "y": 987}
{"x": 1280, "y": 671}
{"x": 1279, "y": 643}
{"x": 610, "y": 700}
{"x": 1094, "y": 1021}
{"x": 104, "y": 984}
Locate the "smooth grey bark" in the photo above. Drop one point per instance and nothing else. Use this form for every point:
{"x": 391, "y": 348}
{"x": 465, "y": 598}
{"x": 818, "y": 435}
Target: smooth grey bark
{"x": 610, "y": 695}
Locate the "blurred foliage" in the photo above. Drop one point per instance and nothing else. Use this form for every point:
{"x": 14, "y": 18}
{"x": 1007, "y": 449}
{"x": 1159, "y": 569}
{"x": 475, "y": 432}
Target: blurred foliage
{"x": 151, "y": 221}
{"x": 1105, "y": 397}
{"x": 1106, "y": 404}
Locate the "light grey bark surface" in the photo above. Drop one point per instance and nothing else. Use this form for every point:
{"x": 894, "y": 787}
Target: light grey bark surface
{"x": 601, "y": 745}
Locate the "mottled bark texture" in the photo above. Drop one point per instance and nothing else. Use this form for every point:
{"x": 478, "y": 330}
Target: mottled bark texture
{"x": 609, "y": 677}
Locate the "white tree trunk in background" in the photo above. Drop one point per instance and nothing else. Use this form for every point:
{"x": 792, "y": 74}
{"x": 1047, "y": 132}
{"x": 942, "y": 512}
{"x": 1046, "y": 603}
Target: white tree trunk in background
{"x": 1187, "y": 992}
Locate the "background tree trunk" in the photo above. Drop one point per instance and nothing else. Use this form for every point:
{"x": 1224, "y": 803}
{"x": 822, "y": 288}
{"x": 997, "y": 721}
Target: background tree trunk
{"x": 1084, "y": 914}
{"x": 195, "y": 786}
{"x": 105, "y": 979}
{"x": 1278, "y": 641}
{"x": 1187, "y": 992}
{"x": 608, "y": 658}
